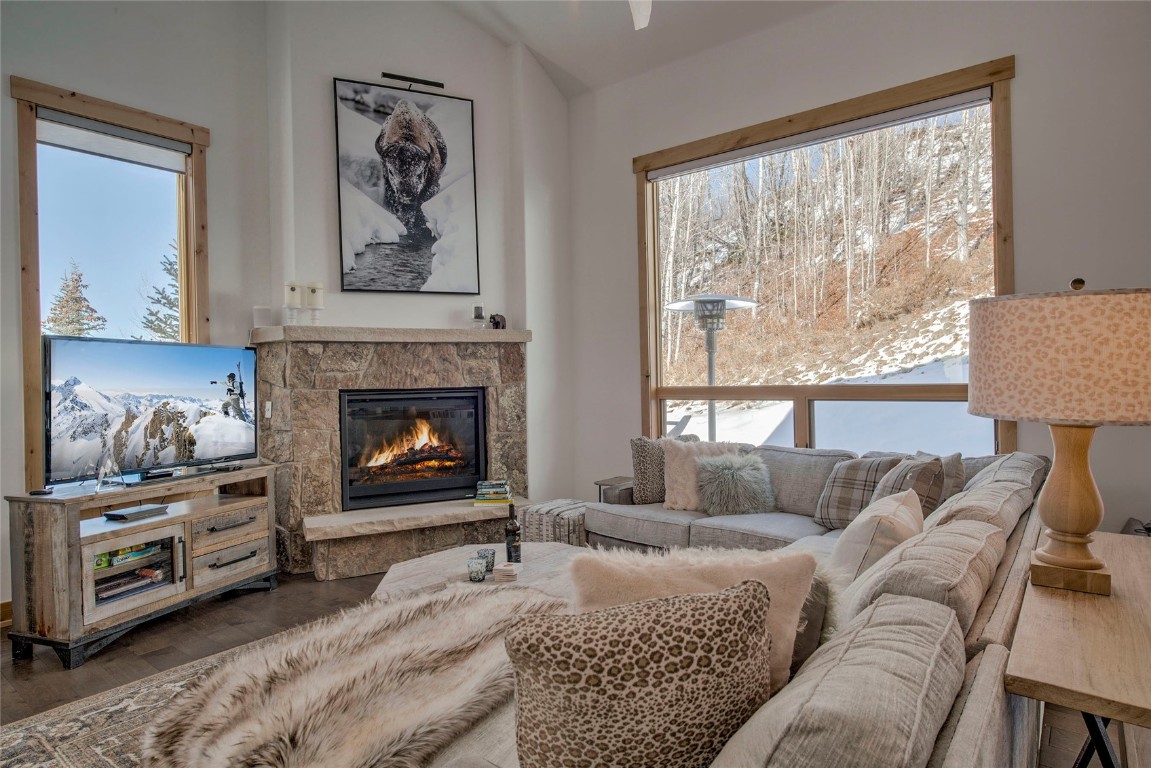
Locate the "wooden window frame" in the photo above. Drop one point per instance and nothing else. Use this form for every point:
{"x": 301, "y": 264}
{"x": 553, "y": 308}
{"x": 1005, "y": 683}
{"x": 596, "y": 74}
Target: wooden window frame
{"x": 193, "y": 234}
{"x": 995, "y": 74}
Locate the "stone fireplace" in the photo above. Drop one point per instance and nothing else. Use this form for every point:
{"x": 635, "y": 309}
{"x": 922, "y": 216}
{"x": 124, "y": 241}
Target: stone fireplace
{"x": 302, "y": 371}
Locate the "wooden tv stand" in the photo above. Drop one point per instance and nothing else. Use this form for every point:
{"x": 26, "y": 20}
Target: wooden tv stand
{"x": 80, "y": 581}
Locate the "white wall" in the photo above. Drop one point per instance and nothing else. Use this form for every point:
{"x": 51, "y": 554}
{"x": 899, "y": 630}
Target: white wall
{"x": 141, "y": 55}
{"x": 521, "y": 171}
{"x": 1081, "y": 104}
{"x": 542, "y": 142}
{"x": 259, "y": 76}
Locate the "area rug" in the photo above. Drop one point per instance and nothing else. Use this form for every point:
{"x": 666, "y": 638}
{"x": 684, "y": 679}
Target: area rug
{"x": 382, "y": 685}
{"x": 104, "y": 730}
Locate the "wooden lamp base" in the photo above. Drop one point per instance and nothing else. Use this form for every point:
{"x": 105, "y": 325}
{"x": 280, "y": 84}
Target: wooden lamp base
{"x": 1097, "y": 582}
{"x": 1071, "y": 508}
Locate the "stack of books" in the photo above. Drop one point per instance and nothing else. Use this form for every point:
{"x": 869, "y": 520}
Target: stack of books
{"x": 493, "y": 493}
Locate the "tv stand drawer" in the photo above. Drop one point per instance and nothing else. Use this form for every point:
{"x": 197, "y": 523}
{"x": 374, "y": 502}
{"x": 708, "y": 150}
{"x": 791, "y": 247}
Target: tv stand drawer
{"x": 230, "y": 525}
{"x": 225, "y": 563}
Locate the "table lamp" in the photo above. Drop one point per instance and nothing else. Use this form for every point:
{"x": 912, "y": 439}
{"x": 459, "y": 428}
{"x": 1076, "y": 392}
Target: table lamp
{"x": 1074, "y": 360}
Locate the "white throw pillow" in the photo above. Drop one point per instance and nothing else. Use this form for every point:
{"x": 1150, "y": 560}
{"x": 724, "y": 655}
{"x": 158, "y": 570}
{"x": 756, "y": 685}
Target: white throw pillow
{"x": 605, "y": 578}
{"x": 681, "y": 473}
{"x": 881, "y": 527}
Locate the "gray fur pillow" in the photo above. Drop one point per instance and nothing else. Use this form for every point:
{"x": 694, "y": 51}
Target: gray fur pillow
{"x": 733, "y": 484}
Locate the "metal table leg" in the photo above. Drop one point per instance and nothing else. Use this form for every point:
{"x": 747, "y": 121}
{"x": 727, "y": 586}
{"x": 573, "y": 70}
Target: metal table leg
{"x": 1098, "y": 741}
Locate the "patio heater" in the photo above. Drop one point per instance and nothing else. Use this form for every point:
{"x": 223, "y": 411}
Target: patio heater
{"x": 710, "y": 310}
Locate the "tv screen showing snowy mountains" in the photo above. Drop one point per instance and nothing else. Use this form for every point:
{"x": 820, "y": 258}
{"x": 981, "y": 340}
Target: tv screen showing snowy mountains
{"x": 145, "y": 405}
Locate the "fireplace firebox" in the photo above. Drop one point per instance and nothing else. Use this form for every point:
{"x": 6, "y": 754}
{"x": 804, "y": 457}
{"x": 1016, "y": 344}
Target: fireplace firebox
{"x": 406, "y": 446}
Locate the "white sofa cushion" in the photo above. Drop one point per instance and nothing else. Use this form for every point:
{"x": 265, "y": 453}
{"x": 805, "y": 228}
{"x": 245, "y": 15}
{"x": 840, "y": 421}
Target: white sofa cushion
{"x": 648, "y": 524}
{"x": 884, "y": 525}
{"x": 998, "y": 503}
{"x": 952, "y": 565}
{"x": 766, "y": 530}
{"x": 875, "y": 695}
{"x": 981, "y": 710}
{"x": 798, "y": 475}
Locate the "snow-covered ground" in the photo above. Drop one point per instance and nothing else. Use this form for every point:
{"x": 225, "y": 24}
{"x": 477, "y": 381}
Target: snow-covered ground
{"x": 860, "y": 426}
{"x": 894, "y": 358}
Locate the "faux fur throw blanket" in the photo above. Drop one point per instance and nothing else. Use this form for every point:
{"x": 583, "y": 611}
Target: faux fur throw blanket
{"x": 381, "y": 685}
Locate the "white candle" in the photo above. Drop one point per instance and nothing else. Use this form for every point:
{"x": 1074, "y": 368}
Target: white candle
{"x": 292, "y": 296}
{"x": 314, "y": 296}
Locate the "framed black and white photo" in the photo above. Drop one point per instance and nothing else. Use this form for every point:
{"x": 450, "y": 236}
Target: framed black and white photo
{"x": 407, "y": 186}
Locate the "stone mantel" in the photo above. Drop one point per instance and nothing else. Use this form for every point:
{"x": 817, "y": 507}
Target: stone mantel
{"x": 301, "y": 370}
{"x": 332, "y": 333}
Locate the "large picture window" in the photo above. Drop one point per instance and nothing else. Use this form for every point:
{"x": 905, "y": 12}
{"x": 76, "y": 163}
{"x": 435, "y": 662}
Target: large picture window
{"x": 113, "y": 229}
{"x": 848, "y": 253}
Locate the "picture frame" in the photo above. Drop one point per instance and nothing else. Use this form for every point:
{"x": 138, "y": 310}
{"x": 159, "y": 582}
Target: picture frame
{"x": 405, "y": 164}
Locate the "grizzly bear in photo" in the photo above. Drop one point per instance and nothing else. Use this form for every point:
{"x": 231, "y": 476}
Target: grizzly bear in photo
{"x": 413, "y": 154}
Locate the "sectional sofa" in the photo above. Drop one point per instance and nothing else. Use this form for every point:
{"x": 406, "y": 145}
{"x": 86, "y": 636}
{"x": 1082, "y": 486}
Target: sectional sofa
{"x": 912, "y": 674}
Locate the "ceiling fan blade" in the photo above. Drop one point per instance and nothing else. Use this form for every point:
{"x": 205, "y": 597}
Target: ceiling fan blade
{"x": 640, "y": 12}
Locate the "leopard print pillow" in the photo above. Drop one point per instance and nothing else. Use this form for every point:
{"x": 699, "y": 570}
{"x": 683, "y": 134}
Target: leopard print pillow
{"x": 661, "y": 682}
{"x": 647, "y": 468}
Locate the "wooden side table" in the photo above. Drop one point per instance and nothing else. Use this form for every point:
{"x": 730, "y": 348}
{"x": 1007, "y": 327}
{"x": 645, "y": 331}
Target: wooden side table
{"x": 607, "y": 482}
{"x": 1089, "y": 652}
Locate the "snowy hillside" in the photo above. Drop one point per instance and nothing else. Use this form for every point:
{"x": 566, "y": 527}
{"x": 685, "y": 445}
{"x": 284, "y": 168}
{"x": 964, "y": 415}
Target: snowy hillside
{"x": 140, "y": 430}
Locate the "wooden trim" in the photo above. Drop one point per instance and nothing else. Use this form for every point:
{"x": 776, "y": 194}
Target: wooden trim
{"x": 30, "y": 294}
{"x": 646, "y": 217}
{"x": 997, "y": 74}
{"x": 193, "y": 235}
{"x": 197, "y": 300}
{"x": 1002, "y": 199}
{"x": 106, "y": 111}
{"x": 6, "y": 613}
{"x": 1003, "y": 203}
{"x": 969, "y": 78}
{"x": 917, "y": 392}
{"x": 1006, "y": 436}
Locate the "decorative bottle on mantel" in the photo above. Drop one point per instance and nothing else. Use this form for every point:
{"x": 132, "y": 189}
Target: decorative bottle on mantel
{"x": 512, "y": 534}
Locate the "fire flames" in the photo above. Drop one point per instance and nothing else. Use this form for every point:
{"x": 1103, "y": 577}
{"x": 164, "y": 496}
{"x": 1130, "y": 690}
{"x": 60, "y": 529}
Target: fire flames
{"x": 417, "y": 450}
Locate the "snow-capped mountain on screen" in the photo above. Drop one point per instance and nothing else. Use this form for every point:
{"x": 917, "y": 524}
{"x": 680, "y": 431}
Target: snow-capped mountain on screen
{"x": 142, "y": 430}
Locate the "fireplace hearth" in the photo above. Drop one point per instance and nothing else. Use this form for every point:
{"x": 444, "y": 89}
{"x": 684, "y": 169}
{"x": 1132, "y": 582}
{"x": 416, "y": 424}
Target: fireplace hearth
{"x": 406, "y": 446}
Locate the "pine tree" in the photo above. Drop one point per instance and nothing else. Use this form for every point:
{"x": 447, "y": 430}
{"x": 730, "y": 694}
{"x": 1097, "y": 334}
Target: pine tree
{"x": 71, "y": 314}
{"x": 162, "y": 318}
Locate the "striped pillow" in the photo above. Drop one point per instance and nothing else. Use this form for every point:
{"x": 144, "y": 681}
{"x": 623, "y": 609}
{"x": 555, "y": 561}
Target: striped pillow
{"x": 850, "y": 488}
{"x": 925, "y": 477}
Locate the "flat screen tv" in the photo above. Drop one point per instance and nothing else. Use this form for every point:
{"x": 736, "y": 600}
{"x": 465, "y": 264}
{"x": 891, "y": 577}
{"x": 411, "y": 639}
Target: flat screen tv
{"x": 151, "y": 406}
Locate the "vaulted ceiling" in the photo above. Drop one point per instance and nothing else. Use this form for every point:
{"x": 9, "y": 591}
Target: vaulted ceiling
{"x": 587, "y": 44}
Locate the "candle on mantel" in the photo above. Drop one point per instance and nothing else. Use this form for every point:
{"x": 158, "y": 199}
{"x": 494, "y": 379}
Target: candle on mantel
{"x": 292, "y": 297}
{"x": 314, "y": 296}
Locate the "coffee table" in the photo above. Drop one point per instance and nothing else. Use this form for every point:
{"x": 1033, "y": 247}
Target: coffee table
{"x": 545, "y": 567}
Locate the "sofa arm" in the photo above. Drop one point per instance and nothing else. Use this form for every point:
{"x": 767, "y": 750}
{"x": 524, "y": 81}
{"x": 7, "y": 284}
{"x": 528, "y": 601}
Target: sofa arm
{"x": 618, "y": 494}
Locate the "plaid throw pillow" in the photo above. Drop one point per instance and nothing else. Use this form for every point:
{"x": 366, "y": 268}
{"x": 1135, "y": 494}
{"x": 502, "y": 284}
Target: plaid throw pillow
{"x": 849, "y": 489}
{"x": 923, "y": 477}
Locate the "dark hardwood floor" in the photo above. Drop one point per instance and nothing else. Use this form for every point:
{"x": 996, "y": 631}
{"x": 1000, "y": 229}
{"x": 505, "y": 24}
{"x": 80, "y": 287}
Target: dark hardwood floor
{"x": 39, "y": 684}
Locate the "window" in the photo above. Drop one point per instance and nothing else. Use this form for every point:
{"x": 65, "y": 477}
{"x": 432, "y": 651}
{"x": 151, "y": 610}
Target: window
{"x": 856, "y": 245}
{"x": 113, "y": 229}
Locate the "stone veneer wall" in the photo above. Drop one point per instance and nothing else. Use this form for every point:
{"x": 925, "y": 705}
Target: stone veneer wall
{"x": 301, "y": 370}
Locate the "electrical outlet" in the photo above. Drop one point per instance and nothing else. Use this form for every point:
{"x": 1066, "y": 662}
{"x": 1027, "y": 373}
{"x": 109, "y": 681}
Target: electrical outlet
{"x": 268, "y": 410}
